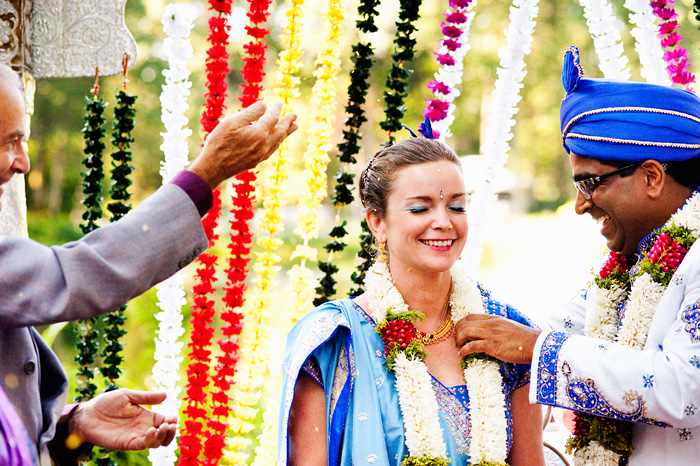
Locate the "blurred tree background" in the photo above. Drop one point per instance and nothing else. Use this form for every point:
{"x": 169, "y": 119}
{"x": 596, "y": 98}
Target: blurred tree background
{"x": 536, "y": 158}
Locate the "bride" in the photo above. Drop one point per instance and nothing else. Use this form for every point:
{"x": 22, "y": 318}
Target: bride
{"x": 377, "y": 378}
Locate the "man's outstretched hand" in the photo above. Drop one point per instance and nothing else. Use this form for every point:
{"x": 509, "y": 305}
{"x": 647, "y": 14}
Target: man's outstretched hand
{"x": 117, "y": 421}
{"x": 241, "y": 141}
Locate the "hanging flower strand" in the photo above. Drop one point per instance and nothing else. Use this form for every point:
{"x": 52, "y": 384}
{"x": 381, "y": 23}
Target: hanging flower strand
{"x": 254, "y": 336}
{"x": 93, "y": 133}
{"x": 646, "y": 42}
{"x": 397, "y": 80}
{"x": 316, "y": 158}
{"x": 239, "y": 245}
{"x": 178, "y": 21}
{"x": 191, "y": 440}
{"x": 362, "y": 54}
{"x": 453, "y": 47}
{"x": 122, "y": 126}
{"x": 676, "y": 58}
{"x": 394, "y": 95}
{"x": 500, "y": 121}
{"x": 600, "y": 18}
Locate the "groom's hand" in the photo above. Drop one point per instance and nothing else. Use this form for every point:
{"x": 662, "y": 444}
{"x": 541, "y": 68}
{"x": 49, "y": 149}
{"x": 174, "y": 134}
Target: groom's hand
{"x": 496, "y": 336}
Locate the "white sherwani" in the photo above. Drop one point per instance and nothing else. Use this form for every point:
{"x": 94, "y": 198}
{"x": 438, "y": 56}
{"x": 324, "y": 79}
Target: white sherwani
{"x": 657, "y": 387}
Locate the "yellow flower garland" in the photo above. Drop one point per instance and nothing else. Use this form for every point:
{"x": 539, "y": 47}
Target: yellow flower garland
{"x": 316, "y": 158}
{"x": 249, "y": 378}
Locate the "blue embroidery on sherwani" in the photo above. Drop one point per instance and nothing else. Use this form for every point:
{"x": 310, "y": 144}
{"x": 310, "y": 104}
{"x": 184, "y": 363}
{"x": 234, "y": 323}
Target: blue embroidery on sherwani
{"x": 648, "y": 380}
{"x": 584, "y": 396}
{"x": 685, "y": 434}
{"x": 695, "y": 361}
{"x": 690, "y": 410}
{"x": 547, "y": 369}
{"x": 677, "y": 279}
{"x": 691, "y": 317}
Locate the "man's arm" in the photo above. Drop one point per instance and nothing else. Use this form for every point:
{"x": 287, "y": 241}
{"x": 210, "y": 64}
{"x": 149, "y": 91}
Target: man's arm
{"x": 109, "y": 266}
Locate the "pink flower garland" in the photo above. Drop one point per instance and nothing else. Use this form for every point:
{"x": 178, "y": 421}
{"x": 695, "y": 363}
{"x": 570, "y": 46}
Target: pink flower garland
{"x": 450, "y": 55}
{"x": 677, "y": 62}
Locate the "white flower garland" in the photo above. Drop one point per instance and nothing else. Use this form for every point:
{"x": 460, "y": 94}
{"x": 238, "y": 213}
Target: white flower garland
{"x": 647, "y": 43}
{"x": 178, "y": 21}
{"x": 644, "y": 297}
{"x": 596, "y": 455}
{"x": 503, "y": 108}
{"x": 419, "y": 407}
{"x": 607, "y": 40}
{"x": 602, "y": 319}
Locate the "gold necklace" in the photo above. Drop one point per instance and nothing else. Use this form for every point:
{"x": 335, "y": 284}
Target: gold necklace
{"x": 446, "y": 326}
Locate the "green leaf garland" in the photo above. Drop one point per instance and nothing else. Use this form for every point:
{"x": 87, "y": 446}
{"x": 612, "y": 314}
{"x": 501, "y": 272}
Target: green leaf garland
{"x": 397, "y": 89}
{"x": 397, "y": 81}
{"x": 122, "y": 126}
{"x": 362, "y": 54}
{"x": 93, "y": 132}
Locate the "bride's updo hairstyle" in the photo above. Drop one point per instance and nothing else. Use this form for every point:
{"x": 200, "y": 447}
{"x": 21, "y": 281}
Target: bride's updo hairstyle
{"x": 377, "y": 177}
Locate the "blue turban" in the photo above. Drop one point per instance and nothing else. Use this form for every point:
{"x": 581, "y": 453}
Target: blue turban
{"x": 626, "y": 121}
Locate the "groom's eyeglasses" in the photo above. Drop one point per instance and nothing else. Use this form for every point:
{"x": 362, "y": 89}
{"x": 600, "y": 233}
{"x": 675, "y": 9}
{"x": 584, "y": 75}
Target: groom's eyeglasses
{"x": 587, "y": 185}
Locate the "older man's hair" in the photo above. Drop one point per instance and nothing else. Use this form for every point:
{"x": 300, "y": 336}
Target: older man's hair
{"x": 8, "y": 75}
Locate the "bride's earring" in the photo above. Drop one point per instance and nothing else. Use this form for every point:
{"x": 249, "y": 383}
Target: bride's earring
{"x": 381, "y": 257}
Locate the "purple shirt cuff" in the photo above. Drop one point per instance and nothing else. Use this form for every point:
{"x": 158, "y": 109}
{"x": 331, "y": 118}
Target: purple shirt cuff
{"x": 196, "y": 189}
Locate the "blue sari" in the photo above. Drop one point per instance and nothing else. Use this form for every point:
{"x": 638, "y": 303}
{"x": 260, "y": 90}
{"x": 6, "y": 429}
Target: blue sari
{"x": 337, "y": 345}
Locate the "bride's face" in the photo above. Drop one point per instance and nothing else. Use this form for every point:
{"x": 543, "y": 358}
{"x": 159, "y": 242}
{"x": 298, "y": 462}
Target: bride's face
{"x": 425, "y": 228}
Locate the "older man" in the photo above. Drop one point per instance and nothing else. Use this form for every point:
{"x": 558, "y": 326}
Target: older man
{"x": 628, "y": 348}
{"x": 106, "y": 268}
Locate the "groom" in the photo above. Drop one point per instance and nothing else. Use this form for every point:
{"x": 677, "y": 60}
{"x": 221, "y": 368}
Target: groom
{"x": 634, "y": 150}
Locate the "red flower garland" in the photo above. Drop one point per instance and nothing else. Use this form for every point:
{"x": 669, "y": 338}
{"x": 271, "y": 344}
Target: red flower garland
{"x": 203, "y": 315}
{"x": 677, "y": 63}
{"x": 239, "y": 246}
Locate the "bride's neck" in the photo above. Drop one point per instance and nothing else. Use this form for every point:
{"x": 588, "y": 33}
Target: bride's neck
{"x": 423, "y": 293}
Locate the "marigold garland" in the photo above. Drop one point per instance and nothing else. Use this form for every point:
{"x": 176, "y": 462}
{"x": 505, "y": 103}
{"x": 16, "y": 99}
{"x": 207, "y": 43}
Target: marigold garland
{"x": 93, "y": 133}
{"x": 609, "y": 441}
{"x": 195, "y": 412}
{"x": 249, "y": 377}
{"x": 676, "y": 58}
{"x": 316, "y": 157}
{"x": 397, "y": 80}
{"x": 453, "y": 48}
{"x": 362, "y": 54}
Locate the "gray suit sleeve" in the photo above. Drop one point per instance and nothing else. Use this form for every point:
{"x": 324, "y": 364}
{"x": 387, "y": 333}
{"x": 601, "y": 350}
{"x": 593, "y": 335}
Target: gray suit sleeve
{"x": 104, "y": 269}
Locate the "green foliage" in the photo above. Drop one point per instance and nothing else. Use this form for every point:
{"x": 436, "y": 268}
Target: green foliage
{"x": 618, "y": 277}
{"x": 613, "y": 434}
{"x": 424, "y": 461}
